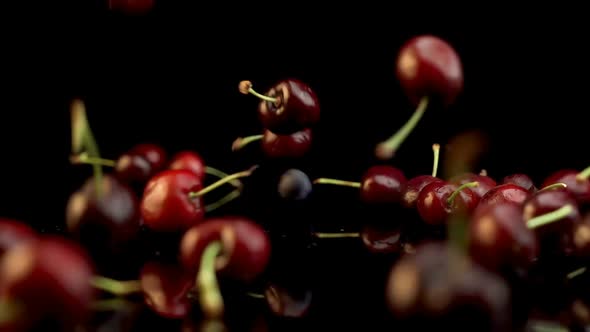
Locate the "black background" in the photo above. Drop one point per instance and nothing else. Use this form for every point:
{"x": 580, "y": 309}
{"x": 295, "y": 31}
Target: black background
{"x": 171, "y": 78}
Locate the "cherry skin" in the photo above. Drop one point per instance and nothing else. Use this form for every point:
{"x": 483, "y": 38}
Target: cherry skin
{"x": 286, "y": 303}
{"x": 108, "y": 221}
{"x": 295, "y": 106}
{"x": 294, "y": 185}
{"x": 413, "y": 188}
{"x": 188, "y": 160}
{"x": 432, "y": 202}
{"x": 485, "y": 183}
{"x": 295, "y": 145}
{"x": 379, "y": 240}
{"x": 165, "y": 288}
{"x": 427, "y": 66}
{"x": 382, "y": 184}
{"x": 499, "y": 238}
{"x": 505, "y": 193}
{"x": 580, "y": 188}
{"x": 246, "y": 247}
{"x": 166, "y": 205}
{"x": 132, "y": 6}
{"x": 140, "y": 163}
{"x": 14, "y": 232}
{"x": 581, "y": 237}
{"x": 50, "y": 278}
{"x": 521, "y": 180}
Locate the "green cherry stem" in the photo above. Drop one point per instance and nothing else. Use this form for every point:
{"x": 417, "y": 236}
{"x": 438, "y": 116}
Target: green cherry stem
{"x": 436, "y": 153}
{"x": 83, "y": 158}
{"x": 557, "y": 185}
{"x": 221, "y": 182}
{"x": 116, "y": 287}
{"x": 583, "y": 175}
{"x": 576, "y": 273}
{"x": 241, "y": 142}
{"x": 335, "y": 235}
{"x": 245, "y": 87}
{"x": 222, "y": 201}
{"x": 337, "y": 182}
{"x": 462, "y": 187}
{"x": 206, "y": 281}
{"x": 256, "y": 295}
{"x": 115, "y": 304}
{"x": 386, "y": 149}
{"x": 550, "y": 217}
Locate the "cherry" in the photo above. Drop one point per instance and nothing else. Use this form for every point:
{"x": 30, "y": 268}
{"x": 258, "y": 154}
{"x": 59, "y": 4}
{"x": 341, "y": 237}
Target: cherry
{"x": 294, "y": 145}
{"x": 289, "y": 106}
{"x": 438, "y": 287}
{"x": 131, "y": 6}
{"x": 415, "y": 185}
{"x": 284, "y": 302}
{"x": 379, "y": 184}
{"x": 47, "y": 278}
{"x": 294, "y": 185}
{"x": 521, "y": 180}
{"x": 499, "y": 237}
{"x": 505, "y": 193}
{"x": 107, "y": 221}
{"x": 140, "y": 163}
{"x": 234, "y": 246}
{"x": 429, "y": 71}
{"x": 439, "y": 200}
{"x": 188, "y": 160}
{"x": 165, "y": 288}
{"x": 382, "y": 240}
{"x": 485, "y": 183}
{"x": 577, "y": 182}
{"x": 14, "y": 232}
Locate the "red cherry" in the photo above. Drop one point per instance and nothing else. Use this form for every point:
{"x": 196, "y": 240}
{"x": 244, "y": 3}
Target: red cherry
{"x": 140, "y": 163}
{"x": 246, "y": 246}
{"x": 166, "y": 205}
{"x": 49, "y": 278}
{"x": 581, "y": 237}
{"x": 499, "y": 237}
{"x": 382, "y": 184}
{"x": 438, "y": 200}
{"x": 285, "y": 303}
{"x": 413, "y": 188}
{"x": 381, "y": 240}
{"x": 289, "y": 106}
{"x": 295, "y": 145}
{"x": 485, "y": 183}
{"x": 165, "y": 288}
{"x": 505, "y": 193}
{"x": 188, "y": 160}
{"x": 578, "y": 185}
{"x": 132, "y": 6}
{"x": 521, "y": 180}
{"x": 14, "y": 232}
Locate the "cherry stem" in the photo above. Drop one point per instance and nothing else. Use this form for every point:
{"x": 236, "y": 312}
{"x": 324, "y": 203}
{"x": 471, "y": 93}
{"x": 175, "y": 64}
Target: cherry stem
{"x": 462, "y": 187}
{"x": 337, "y": 182}
{"x": 115, "y": 304}
{"x": 246, "y": 87}
{"x": 583, "y": 175}
{"x": 221, "y": 182}
{"x": 224, "y": 200}
{"x": 550, "y": 217}
{"x": 387, "y": 149}
{"x": 256, "y": 295}
{"x": 116, "y": 287}
{"x": 208, "y": 287}
{"x": 220, "y": 174}
{"x": 241, "y": 142}
{"x": 83, "y": 139}
{"x": 335, "y": 235}
{"x": 558, "y": 185}
{"x": 83, "y": 158}
{"x": 436, "y": 152}
{"x": 576, "y": 273}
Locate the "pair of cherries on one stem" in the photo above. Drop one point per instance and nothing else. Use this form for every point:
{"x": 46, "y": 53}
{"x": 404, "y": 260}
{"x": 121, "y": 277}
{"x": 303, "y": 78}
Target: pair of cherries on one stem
{"x": 234, "y": 247}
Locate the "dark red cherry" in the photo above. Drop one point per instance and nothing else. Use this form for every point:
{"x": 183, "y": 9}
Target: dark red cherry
{"x": 413, "y": 188}
{"x": 131, "y": 6}
{"x": 428, "y": 66}
{"x": 521, "y": 180}
{"x": 108, "y": 221}
{"x": 485, "y": 183}
{"x": 295, "y": 145}
{"x": 166, "y": 205}
{"x": 165, "y": 288}
{"x": 581, "y": 237}
{"x": 287, "y": 107}
{"x": 382, "y": 240}
{"x": 382, "y": 184}
{"x": 140, "y": 163}
{"x": 438, "y": 288}
{"x": 499, "y": 238}
{"x": 48, "y": 278}
{"x": 580, "y": 187}
{"x": 505, "y": 193}
{"x": 14, "y": 232}
{"x": 188, "y": 160}
{"x": 246, "y": 246}
{"x": 433, "y": 202}
{"x": 284, "y": 302}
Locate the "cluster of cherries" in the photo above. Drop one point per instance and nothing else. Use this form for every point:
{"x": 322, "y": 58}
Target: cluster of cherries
{"x": 492, "y": 231}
